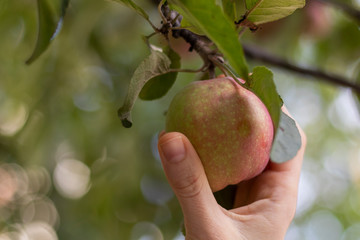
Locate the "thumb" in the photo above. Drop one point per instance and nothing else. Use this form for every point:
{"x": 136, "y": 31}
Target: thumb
{"x": 186, "y": 176}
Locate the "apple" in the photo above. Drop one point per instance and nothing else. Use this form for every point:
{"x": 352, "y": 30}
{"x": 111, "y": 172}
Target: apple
{"x": 229, "y": 127}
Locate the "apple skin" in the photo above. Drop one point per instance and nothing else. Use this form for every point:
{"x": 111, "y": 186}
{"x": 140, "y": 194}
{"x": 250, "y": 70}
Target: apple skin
{"x": 229, "y": 127}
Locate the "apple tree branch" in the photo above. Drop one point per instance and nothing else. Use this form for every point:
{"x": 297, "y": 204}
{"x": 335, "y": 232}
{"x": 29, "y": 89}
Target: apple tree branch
{"x": 256, "y": 53}
{"x": 201, "y": 44}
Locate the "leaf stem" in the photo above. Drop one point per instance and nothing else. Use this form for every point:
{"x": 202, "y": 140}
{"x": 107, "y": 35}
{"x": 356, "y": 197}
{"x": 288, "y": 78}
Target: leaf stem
{"x": 160, "y": 12}
{"x": 226, "y": 70}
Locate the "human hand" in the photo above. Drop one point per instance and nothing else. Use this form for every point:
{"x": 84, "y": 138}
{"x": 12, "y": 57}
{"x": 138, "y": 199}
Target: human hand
{"x": 264, "y": 206}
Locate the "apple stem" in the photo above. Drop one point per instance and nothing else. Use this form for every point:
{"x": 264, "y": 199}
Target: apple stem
{"x": 227, "y": 71}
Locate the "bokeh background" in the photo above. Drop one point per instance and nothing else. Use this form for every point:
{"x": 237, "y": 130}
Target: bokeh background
{"x": 69, "y": 170}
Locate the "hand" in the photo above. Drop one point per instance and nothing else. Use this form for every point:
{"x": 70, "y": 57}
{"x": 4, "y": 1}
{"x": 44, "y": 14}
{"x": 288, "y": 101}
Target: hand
{"x": 264, "y": 206}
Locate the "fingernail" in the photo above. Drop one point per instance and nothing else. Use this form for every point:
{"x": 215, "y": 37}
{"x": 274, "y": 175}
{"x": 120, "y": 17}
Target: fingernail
{"x": 161, "y": 133}
{"x": 173, "y": 149}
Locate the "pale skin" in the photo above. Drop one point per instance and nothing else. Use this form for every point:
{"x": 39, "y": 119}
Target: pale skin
{"x": 264, "y": 206}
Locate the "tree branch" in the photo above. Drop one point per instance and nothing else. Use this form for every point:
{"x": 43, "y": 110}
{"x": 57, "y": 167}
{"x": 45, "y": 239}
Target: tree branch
{"x": 201, "y": 45}
{"x": 349, "y": 10}
{"x": 257, "y": 54}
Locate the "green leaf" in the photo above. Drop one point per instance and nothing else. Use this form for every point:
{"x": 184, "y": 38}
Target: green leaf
{"x": 157, "y": 63}
{"x": 287, "y": 140}
{"x": 231, "y": 8}
{"x": 186, "y": 24}
{"x": 207, "y": 16}
{"x": 135, "y": 7}
{"x": 158, "y": 86}
{"x": 262, "y": 11}
{"x": 251, "y": 3}
{"x": 262, "y": 84}
{"x": 49, "y": 26}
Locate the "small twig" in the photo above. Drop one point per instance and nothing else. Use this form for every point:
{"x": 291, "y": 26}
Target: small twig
{"x": 202, "y": 69}
{"x": 152, "y": 25}
{"x": 179, "y": 28}
{"x": 161, "y": 3}
{"x": 147, "y": 39}
{"x": 241, "y": 32}
{"x": 200, "y": 44}
{"x": 175, "y": 19}
{"x": 211, "y": 71}
{"x": 257, "y": 54}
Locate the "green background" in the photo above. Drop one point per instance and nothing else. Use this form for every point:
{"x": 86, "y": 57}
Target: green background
{"x": 69, "y": 170}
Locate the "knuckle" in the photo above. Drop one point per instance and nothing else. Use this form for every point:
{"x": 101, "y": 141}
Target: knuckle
{"x": 189, "y": 186}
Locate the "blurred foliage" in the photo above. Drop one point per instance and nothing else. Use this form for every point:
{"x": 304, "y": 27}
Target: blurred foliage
{"x": 69, "y": 170}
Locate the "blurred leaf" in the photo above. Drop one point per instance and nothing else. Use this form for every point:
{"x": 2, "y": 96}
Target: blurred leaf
{"x": 49, "y": 27}
{"x": 262, "y": 84}
{"x": 209, "y": 18}
{"x": 158, "y": 86}
{"x": 287, "y": 140}
{"x": 263, "y": 11}
{"x": 157, "y": 63}
{"x": 135, "y": 7}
